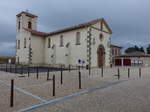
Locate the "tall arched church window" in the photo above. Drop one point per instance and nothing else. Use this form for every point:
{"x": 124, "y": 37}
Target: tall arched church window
{"x": 29, "y": 25}
{"x": 78, "y": 36}
{"x": 19, "y": 25}
{"x": 61, "y": 41}
{"x": 18, "y": 44}
{"x": 101, "y": 37}
{"x": 49, "y": 42}
{"x": 25, "y": 42}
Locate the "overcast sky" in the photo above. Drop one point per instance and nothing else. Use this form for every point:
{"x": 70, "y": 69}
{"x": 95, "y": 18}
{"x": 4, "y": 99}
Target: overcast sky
{"x": 128, "y": 19}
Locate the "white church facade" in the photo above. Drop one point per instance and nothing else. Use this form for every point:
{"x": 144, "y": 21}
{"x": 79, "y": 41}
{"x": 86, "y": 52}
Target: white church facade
{"x": 87, "y": 43}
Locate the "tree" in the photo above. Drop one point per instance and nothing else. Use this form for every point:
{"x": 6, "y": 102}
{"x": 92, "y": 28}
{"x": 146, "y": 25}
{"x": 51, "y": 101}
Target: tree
{"x": 129, "y": 50}
{"x": 148, "y": 49}
{"x": 142, "y": 49}
{"x": 133, "y": 49}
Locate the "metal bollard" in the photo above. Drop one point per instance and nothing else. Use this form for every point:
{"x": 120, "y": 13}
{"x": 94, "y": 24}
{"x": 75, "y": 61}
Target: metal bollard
{"x": 61, "y": 76}
{"x": 118, "y": 74}
{"x": 128, "y": 72}
{"x": 102, "y": 71}
{"x": 28, "y": 71}
{"x": 12, "y": 93}
{"x": 89, "y": 70}
{"x": 47, "y": 74}
{"x": 140, "y": 72}
{"x": 53, "y": 85}
{"x": 37, "y": 72}
{"x": 79, "y": 80}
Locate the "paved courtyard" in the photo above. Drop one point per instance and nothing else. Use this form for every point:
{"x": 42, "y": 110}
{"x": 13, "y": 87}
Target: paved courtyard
{"x": 98, "y": 94}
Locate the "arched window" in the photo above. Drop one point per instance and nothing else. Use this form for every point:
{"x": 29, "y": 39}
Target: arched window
{"x": 29, "y": 25}
{"x": 49, "y": 42}
{"x": 19, "y": 25}
{"x": 25, "y": 42}
{"x": 101, "y": 37}
{"x": 78, "y": 38}
{"x": 18, "y": 44}
{"x": 61, "y": 41}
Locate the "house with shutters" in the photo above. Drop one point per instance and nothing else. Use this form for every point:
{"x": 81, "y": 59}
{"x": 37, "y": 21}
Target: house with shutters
{"x": 87, "y": 43}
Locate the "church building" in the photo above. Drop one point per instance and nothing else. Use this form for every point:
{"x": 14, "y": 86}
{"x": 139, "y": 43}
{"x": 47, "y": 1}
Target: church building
{"x": 87, "y": 43}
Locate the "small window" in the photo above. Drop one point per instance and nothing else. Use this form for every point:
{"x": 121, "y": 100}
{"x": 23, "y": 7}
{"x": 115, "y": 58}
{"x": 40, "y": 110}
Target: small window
{"x": 61, "y": 41}
{"x": 101, "y": 37}
{"x": 18, "y": 44}
{"x": 115, "y": 51}
{"x": 25, "y": 42}
{"x": 29, "y": 25}
{"x": 78, "y": 38}
{"x": 49, "y": 42}
{"x": 112, "y": 51}
{"x": 19, "y": 25}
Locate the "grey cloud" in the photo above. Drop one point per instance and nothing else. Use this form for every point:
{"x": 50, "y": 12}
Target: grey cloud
{"x": 128, "y": 19}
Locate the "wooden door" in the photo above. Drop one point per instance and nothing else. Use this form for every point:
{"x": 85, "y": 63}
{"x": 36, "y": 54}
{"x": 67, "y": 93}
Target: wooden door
{"x": 100, "y": 57}
{"x": 126, "y": 62}
{"x": 118, "y": 62}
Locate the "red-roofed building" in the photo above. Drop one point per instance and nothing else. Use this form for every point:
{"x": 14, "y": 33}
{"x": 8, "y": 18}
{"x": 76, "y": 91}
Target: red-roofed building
{"x": 133, "y": 59}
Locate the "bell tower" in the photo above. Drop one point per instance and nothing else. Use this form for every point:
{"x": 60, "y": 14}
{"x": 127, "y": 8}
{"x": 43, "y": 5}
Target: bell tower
{"x": 26, "y": 20}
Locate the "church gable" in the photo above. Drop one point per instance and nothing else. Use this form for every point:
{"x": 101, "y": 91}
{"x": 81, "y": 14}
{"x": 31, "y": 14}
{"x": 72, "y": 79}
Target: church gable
{"x": 102, "y": 26}
{"x": 105, "y": 27}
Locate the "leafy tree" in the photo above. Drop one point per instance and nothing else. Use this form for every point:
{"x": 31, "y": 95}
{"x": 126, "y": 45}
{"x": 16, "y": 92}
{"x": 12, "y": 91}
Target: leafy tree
{"x": 148, "y": 49}
{"x": 133, "y": 49}
{"x": 142, "y": 49}
{"x": 129, "y": 50}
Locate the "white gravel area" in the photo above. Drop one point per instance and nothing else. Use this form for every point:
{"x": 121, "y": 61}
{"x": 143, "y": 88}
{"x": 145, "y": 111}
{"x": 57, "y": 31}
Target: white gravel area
{"x": 43, "y": 89}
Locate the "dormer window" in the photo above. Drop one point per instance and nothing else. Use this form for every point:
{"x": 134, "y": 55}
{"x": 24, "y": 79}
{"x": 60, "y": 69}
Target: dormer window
{"x": 29, "y": 25}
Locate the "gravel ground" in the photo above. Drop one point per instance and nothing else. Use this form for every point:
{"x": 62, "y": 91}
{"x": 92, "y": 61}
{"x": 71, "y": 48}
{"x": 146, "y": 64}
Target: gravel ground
{"x": 130, "y": 96}
{"x": 41, "y": 90}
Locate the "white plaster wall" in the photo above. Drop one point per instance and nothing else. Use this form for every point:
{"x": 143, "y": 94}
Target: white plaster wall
{"x": 23, "y": 53}
{"x": 146, "y": 61}
{"x": 104, "y": 42}
{"x": 75, "y": 51}
{"x": 37, "y": 45}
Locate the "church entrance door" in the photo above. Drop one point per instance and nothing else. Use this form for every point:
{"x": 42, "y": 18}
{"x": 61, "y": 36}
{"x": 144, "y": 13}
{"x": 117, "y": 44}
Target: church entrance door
{"x": 100, "y": 56}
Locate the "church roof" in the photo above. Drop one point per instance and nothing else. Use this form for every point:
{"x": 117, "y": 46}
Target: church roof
{"x": 27, "y": 14}
{"x": 76, "y": 27}
{"x": 70, "y": 28}
{"x": 115, "y": 46}
{"x": 135, "y": 54}
{"x": 38, "y": 33}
